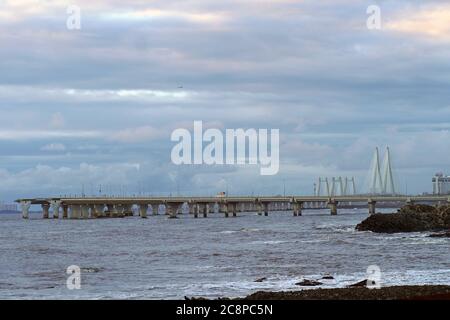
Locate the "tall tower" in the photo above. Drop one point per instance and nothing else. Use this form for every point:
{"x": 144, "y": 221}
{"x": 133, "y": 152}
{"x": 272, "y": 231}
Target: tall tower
{"x": 388, "y": 179}
{"x": 376, "y": 185}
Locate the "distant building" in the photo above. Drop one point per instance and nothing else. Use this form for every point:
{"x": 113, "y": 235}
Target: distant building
{"x": 4, "y": 207}
{"x": 441, "y": 184}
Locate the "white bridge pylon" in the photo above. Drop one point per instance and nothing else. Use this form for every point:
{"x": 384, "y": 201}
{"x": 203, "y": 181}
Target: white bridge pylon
{"x": 336, "y": 187}
{"x": 381, "y": 181}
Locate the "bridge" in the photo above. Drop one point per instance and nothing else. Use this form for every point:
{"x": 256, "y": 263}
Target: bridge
{"x": 114, "y": 207}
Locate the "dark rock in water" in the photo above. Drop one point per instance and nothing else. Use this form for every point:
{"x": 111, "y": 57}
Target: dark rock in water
{"x": 308, "y": 283}
{"x": 410, "y": 218}
{"x": 261, "y": 279}
{"x": 362, "y": 283}
{"x": 327, "y": 277}
{"x": 440, "y": 235}
{"x": 91, "y": 269}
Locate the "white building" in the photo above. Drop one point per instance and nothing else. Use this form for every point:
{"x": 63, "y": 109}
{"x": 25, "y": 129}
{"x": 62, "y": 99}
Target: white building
{"x": 8, "y": 207}
{"x": 441, "y": 184}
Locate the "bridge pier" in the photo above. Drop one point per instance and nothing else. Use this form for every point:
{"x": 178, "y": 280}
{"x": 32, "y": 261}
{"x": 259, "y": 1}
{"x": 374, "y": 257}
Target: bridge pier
{"x": 205, "y": 210}
{"x": 297, "y": 208}
{"x": 110, "y": 210}
{"x": 155, "y": 209}
{"x": 196, "y": 207}
{"x": 92, "y": 211}
{"x": 25, "y": 205}
{"x": 225, "y": 210}
{"x": 75, "y": 211}
{"x": 266, "y": 209}
{"x": 85, "y": 211}
{"x": 65, "y": 211}
{"x": 99, "y": 210}
{"x": 259, "y": 208}
{"x": 191, "y": 208}
{"x": 143, "y": 211}
{"x": 171, "y": 210}
{"x": 333, "y": 207}
{"x": 119, "y": 210}
{"x": 128, "y": 210}
{"x": 55, "y": 204}
{"x": 372, "y": 206}
{"x": 45, "y": 210}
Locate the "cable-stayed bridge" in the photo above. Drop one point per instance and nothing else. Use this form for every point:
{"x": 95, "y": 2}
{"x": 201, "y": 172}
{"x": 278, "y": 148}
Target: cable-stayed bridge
{"x": 381, "y": 179}
{"x": 103, "y": 207}
{"x": 328, "y": 193}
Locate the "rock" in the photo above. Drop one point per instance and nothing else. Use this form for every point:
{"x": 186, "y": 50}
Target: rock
{"x": 327, "y": 277}
{"x": 410, "y": 218}
{"x": 440, "y": 235}
{"x": 261, "y": 279}
{"x": 424, "y": 292}
{"x": 362, "y": 283}
{"x": 308, "y": 283}
{"x": 91, "y": 269}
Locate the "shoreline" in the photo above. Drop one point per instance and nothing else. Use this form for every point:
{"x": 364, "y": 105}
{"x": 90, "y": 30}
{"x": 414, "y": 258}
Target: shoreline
{"x": 406, "y": 292}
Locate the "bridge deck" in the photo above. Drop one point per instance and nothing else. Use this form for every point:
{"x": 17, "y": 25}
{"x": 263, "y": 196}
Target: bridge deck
{"x": 141, "y": 200}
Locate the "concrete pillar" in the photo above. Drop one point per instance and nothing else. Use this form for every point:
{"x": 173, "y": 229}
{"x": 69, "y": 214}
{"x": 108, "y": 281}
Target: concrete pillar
{"x": 192, "y": 208}
{"x": 155, "y": 209}
{"x": 232, "y": 208}
{"x": 25, "y": 205}
{"x": 295, "y": 209}
{"x": 333, "y": 207}
{"x": 55, "y": 204}
{"x": 225, "y": 210}
{"x": 75, "y": 211}
{"x": 299, "y": 208}
{"x": 205, "y": 210}
{"x": 259, "y": 208}
{"x": 235, "y": 209}
{"x": 266, "y": 209}
{"x": 85, "y": 211}
{"x": 45, "y": 209}
{"x": 99, "y": 210}
{"x": 196, "y": 209}
{"x": 143, "y": 210}
{"x": 171, "y": 210}
{"x": 128, "y": 210}
{"x": 65, "y": 211}
{"x": 92, "y": 211}
{"x": 111, "y": 210}
{"x": 372, "y": 206}
{"x": 120, "y": 210}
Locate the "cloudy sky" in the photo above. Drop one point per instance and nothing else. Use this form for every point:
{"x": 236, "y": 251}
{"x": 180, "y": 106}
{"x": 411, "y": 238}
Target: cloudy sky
{"x": 96, "y": 106}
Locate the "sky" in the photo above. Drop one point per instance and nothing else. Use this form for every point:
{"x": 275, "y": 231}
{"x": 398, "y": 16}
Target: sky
{"x": 92, "y": 110}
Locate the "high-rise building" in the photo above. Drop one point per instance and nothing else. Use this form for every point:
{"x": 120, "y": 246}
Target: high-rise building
{"x": 441, "y": 184}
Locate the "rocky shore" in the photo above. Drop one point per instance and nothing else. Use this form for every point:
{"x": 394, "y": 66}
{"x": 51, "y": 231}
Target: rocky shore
{"x": 410, "y": 218}
{"x": 423, "y": 292}
{"x": 417, "y": 292}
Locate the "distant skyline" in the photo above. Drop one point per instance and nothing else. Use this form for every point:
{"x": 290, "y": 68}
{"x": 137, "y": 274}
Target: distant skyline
{"x": 96, "y": 106}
